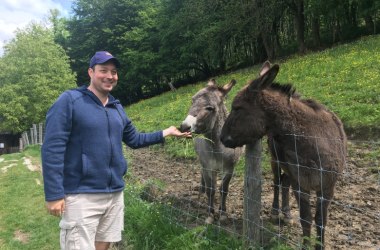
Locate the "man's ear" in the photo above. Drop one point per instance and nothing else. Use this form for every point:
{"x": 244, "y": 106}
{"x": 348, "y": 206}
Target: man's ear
{"x": 90, "y": 71}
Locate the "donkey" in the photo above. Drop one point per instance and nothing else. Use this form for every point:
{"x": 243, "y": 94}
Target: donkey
{"x": 206, "y": 116}
{"x": 306, "y": 140}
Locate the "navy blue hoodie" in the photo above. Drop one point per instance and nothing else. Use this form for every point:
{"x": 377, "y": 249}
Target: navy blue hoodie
{"x": 82, "y": 150}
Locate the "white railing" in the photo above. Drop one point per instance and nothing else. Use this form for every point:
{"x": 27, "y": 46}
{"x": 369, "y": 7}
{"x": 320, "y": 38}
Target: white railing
{"x": 34, "y": 136}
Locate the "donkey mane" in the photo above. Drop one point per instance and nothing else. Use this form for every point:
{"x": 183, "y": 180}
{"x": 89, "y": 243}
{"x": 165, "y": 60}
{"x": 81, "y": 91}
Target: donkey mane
{"x": 290, "y": 92}
{"x": 287, "y": 89}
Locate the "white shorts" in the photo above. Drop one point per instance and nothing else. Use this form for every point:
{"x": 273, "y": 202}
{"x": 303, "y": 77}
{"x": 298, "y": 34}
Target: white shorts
{"x": 91, "y": 217}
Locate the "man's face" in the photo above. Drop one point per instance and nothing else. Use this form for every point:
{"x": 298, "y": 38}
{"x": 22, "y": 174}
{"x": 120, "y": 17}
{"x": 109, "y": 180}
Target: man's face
{"x": 103, "y": 77}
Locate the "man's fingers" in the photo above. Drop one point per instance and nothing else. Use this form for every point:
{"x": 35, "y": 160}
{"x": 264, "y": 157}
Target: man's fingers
{"x": 56, "y": 208}
{"x": 56, "y": 212}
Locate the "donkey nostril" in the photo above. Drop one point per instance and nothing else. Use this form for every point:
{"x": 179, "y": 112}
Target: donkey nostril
{"x": 184, "y": 128}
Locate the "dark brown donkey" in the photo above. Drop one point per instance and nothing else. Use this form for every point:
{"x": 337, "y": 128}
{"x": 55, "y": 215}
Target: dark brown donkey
{"x": 306, "y": 140}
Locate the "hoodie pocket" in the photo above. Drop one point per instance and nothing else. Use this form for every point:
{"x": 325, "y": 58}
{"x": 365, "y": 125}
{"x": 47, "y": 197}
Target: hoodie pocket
{"x": 84, "y": 165}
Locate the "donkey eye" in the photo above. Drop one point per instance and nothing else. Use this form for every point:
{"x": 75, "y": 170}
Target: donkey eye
{"x": 210, "y": 108}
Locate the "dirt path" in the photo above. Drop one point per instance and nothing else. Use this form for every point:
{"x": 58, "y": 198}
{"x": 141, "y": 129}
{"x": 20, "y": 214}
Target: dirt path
{"x": 354, "y": 218}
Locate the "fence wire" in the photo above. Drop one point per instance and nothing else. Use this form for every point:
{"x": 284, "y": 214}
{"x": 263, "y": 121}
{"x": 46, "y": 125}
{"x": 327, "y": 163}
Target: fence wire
{"x": 353, "y": 216}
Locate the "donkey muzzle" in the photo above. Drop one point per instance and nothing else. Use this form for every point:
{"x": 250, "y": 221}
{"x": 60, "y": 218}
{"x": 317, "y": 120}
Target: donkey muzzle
{"x": 188, "y": 124}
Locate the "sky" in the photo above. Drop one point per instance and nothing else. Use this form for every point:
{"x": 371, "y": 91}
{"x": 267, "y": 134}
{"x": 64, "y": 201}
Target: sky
{"x": 19, "y": 13}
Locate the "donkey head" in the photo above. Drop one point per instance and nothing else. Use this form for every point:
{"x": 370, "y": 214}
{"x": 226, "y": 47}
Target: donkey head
{"x": 206, "y": 107}
{"x": 247, "y": 121}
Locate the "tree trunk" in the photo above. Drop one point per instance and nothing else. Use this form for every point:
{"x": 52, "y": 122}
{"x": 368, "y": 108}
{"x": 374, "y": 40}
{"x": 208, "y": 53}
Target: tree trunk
{"x": 299, "y": 21}
{"x": 316, "y": 32}
{"x": 337, "y": 32}
{"x": 268, "y": 45}
{"x": 369, "y": 24}
{"x": 354, "y": 10}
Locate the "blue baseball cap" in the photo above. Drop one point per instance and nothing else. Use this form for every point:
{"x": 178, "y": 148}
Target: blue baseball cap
{"x": 101, "y": 57}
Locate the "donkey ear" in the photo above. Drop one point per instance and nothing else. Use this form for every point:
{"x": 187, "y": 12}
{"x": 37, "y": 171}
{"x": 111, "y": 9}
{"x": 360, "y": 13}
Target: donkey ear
{"x": 265, "y": 79}
{"x": 211, "y": 82}
{"x": 268, "y": 77}
{"x": 264, "y": 69}
{"x": 228, "y": 86}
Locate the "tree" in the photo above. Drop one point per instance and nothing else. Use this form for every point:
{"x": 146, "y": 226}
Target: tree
{"x": 35, "y": 70}
{"x": 183, "y": 41}
{"x": 103, "y": 25}
{"x": 59, "y": 28}
{"x": 368, "y": 10}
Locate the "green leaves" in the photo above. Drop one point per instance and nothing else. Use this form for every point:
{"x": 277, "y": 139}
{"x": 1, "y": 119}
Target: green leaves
{"x": 35, "y": 70}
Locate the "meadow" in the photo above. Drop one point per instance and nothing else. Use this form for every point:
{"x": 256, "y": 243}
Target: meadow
{"x": 346, "y": 79}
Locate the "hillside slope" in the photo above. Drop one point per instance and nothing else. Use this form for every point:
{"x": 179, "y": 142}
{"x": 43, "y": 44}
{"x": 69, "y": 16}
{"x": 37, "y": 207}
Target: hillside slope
{"x": 345, "y": 78}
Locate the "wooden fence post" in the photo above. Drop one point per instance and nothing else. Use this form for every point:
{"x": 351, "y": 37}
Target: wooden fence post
{"x": 31, "y": 136}
{"x": 21, "y": 143}
{"x": 26, "y": 140}
{"x": 35, "y": 133}
{"x": 252, "y": 194}
{"x": 40, "y": 133}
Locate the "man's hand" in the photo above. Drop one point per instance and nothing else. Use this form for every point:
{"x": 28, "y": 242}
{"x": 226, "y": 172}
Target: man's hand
{"x": 173, "y": 131}
{"x": 56, "y": 208}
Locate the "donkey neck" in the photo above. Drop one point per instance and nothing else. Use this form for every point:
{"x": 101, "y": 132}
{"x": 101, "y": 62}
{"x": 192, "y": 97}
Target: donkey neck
{"x": 282, "y": 114}
{"x": 214, "y": 134}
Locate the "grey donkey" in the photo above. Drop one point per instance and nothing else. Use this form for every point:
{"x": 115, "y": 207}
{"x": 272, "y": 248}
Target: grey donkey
{"x": 206, "y": 117}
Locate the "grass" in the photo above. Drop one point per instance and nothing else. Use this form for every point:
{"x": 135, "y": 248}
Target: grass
{"x": 345, "y": 78}
{"x": 151, "y": 226}
{"x": 24, "y": 222}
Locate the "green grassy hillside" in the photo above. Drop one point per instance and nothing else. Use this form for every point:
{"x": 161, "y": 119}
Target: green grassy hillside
{"x": 346, "y": 79}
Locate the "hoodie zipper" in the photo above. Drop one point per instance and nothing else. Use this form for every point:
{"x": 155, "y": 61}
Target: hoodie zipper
{"x": 111, "y": 147}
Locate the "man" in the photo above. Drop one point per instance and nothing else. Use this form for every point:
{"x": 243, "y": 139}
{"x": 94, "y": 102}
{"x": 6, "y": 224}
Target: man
{"x": 83, "y": 162}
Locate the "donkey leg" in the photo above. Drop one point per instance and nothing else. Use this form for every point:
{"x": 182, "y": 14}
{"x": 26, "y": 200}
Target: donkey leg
{"x": 210, "y": 180}
{"x": 276, "y": 190}
{"x": 323, "y": 203}
{"x": 285, "y": 184}
{"x": 223, "y": 194}
{"x": 303, "y": 200}
{"x": 202, "y": 188}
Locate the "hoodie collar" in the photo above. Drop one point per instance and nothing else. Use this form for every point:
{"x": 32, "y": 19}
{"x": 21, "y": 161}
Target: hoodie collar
{"x": 111, "y": 100}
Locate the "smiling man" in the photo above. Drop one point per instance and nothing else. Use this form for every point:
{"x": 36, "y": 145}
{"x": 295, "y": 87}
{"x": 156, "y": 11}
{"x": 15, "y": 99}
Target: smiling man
{"x": 83, "y": 162}
{"x": 103, "y": 74}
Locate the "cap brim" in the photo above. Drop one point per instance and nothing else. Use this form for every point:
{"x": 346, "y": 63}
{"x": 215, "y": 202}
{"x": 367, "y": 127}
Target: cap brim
{"x": 117, "y": 63}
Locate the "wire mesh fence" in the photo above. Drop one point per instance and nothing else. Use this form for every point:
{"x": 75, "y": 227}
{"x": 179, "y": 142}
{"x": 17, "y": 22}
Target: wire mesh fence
{"x": 353, "y": 216}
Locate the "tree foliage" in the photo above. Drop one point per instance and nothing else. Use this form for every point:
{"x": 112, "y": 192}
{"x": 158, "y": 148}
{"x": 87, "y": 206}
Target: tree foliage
{"x": 182, "y": 41}
{"x": 161, "y": 43}
{"x": 35, "y": 70}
